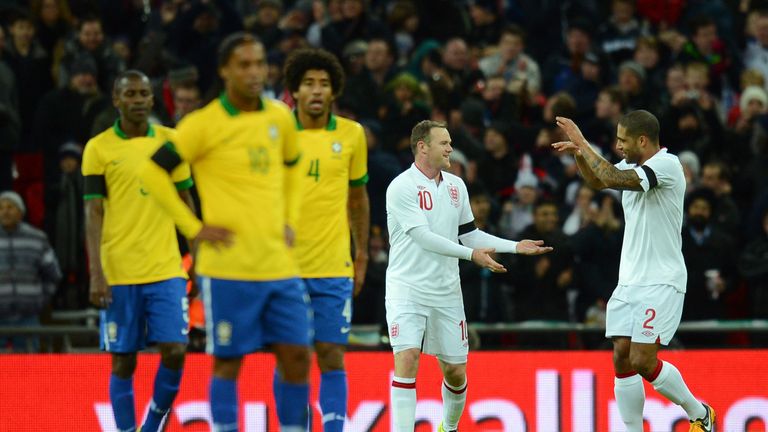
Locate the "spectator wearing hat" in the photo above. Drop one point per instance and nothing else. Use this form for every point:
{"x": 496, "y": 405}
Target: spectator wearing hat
{"x": 517, "y": 211}
{"x": 68, "y": 114}
{"x": 65, "y": 224}
{"x": 632, "y": 84}
{"x": 89, "y": 41}
{"x": 520, "y": 71}
{"x": 710, "y": 271}
{"x": 691, "y": 170}
{"x": 29, "y": 271}
{"x": 748, "y": 136}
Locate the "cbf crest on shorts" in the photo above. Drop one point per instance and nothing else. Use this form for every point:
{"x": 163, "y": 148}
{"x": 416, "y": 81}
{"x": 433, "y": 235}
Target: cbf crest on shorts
{"x": 453, "y": 191}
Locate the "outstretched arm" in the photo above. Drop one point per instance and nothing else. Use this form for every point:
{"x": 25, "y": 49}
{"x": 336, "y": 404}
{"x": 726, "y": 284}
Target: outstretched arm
{"x": 432, "y": 242}
{"x": 481, "y": 239}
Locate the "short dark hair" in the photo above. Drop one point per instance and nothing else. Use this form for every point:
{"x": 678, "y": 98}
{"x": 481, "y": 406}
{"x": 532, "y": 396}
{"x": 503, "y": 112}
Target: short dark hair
{"x": 88, "y": 18}
{"x": 231, "y": 42}
{"x": 724, "y": 172}
{"x": 564, "y": 105}
{"x": 514, "y": 30}
{"x": 641, "y": 122}
{"x": 421, "y": 132}
{"x": 302, "y": 60}
{"x": 543, "y": 202}
{"x": 131, "y": 74}
{"x": 699, "y": 22}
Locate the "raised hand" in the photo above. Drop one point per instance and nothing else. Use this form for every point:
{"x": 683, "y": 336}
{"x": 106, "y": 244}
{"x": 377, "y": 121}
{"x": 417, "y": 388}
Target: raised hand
{"x": 570, "y": 129}
{"x": 567, "y": 147}
{"x": 532, "y": 247}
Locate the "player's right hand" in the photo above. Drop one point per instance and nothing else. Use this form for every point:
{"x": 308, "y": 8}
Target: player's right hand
{"x": 482, "y": 257}
{"x": 216, "y": 236}
{"x": 100, "y": 292}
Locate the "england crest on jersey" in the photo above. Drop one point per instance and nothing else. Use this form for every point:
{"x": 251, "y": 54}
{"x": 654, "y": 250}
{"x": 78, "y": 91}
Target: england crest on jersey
{"x": 453, "y": 191}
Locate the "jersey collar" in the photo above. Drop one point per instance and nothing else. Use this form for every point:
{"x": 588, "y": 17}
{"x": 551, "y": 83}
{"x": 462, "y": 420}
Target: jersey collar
{"x": 331, "y": 126}
{"x": 121, "y": 133}
{"x": 231, "y": 109}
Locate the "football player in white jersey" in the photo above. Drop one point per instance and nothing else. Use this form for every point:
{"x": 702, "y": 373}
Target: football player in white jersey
{"x": 428, "y": 213}
{"x": 646, "y": 306}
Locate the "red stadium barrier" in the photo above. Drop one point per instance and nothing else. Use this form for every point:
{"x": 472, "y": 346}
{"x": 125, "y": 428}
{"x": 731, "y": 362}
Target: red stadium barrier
{"x": 508, "y": 391}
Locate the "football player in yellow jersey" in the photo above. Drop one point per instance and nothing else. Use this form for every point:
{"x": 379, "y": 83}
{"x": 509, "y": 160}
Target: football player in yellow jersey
{"x": 135, "y": 265}
{"x": 335, "y": 171}
{"x": 244, "y": 154}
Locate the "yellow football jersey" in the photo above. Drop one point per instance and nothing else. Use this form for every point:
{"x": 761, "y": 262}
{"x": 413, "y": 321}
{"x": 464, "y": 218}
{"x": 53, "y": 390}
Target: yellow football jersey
{"x": 138, "y": 241}
{"x": 333, "y": 159}
{"x": 243, "y": 163}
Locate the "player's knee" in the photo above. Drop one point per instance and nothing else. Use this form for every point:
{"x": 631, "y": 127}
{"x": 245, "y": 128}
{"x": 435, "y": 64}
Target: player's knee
{"x": 295, "y": 365}
{"x": 455, "y": 374}
{"x": 172, "y": 355}
{"x": 123, "y": 365}
{"x": 330, "y": 358}
{"x": 407, "y": 362}
{"x": 642, "y": 362}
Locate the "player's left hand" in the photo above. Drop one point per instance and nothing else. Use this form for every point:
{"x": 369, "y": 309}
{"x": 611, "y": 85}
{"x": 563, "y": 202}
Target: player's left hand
{"x": 532, "y": 247}
{"x": 361, "y": 265}
{"x": 570, "y": 129}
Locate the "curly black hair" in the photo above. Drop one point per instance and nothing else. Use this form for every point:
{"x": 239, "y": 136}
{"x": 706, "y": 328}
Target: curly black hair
{"x": 302, "y": 60}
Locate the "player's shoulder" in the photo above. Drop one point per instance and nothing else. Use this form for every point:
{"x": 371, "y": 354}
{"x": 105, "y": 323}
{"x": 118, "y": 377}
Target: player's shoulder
{"x": 213, "y": 111}
{"x": 104, "y": 136}
{"x": 453, "y": 179}
{"x": 346, "y": 124}
{"x": 275, "y": 107}
{"x": 402, "y": 181}
{"x": 164, "y": 133}
{"x": 664, "y": 159}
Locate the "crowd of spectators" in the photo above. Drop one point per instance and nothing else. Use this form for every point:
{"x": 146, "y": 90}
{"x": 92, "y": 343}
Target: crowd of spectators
{"x": 496, "y": 72}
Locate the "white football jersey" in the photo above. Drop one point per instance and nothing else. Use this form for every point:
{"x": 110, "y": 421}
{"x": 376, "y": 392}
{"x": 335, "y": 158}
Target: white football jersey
{"x": 413, "y": 273}
{"x": 652, "y": 250}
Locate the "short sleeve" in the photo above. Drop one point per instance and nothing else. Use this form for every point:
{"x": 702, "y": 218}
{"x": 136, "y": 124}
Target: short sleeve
{"x": 190, "y": 137}
{"x": 403, "y": 205}
{"x": 358, "y": 163}
{"x": 291, "y": 149}
{"x": 659, "y": 172}
{"x": 623, "y": 165}
{"x": 92, "y": 162}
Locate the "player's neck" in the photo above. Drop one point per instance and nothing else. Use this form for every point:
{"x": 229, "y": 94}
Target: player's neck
{"x": 309, "y": 122}
{"x": 429, "y": 172}
{"x": 134, "y": 130}
{"x": 243, "y": 104}
{"x": 649, "y": 155}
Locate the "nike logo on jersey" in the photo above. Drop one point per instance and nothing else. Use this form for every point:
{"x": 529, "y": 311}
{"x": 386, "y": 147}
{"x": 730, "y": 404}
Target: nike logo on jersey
{"x": 116, "y": 161}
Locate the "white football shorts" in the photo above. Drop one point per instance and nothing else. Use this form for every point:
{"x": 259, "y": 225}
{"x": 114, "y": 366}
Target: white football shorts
{"x": 438, "y": 331}
{"x": 647, "y": 314}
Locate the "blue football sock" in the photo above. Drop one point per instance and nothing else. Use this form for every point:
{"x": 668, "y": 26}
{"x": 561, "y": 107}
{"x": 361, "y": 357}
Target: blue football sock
{"x": 292, "y": 408}
{"x": 333, "y": 400}
{"x": 166, "y": 386}
{"x": 121, "y": 396}
{"x": 224, "y": 404}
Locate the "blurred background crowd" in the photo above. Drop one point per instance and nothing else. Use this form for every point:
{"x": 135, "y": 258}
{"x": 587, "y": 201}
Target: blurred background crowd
{"x": 496, "y": 72}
